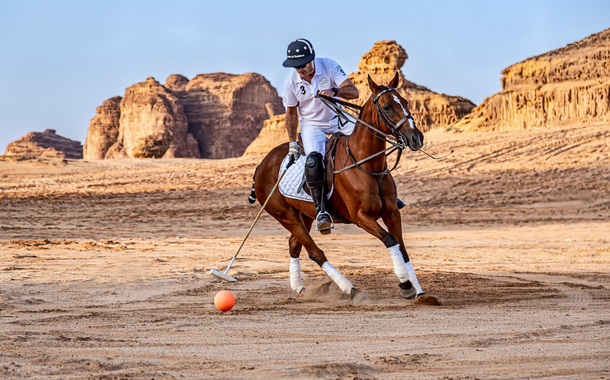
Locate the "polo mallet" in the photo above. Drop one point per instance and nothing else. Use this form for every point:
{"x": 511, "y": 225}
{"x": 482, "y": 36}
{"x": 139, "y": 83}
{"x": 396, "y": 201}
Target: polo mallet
{"x": 224, "y": 275}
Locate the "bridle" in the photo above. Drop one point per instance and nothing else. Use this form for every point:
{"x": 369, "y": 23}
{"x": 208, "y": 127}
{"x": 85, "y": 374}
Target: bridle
{"x": 394, "y": 128}
{"x": 395, "y": 138}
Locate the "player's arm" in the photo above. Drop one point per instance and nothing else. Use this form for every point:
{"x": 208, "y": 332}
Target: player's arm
{"x": 347, "y": 90}
{"x": 292, "y": 122}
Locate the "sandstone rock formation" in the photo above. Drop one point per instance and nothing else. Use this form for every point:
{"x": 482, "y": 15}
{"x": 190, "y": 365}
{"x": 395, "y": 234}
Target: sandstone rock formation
{"x": 226, "y": 112}
{"x": 567, "y": 86}
{"x": 177, "y": 84}
{"x": 211, "y": 116}
{"x": 47, "y": 144}
{"x": 273, "y": 133}
{"x": 429, "y": 109}
{"x": 152, "y": 124}
{"x": 103, "y": 130}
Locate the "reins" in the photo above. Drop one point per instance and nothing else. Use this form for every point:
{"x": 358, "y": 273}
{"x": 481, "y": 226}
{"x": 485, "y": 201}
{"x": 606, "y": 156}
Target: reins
{"x": 397, "y": 143}
{"x": 342, "y": 114}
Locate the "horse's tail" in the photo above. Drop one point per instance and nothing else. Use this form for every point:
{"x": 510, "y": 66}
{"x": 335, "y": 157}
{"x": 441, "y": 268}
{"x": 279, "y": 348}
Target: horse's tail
{"x": 252, "y": 197}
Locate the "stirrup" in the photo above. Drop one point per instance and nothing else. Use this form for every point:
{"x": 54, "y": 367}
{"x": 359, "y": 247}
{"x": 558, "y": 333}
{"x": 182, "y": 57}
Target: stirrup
{"x": 324, "y": 222}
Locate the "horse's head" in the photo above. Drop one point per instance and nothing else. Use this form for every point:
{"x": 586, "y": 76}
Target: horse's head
{"x": 393, "y": 111}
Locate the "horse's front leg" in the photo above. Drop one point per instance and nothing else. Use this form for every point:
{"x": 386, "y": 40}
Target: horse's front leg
{"x": 409, "y": 286}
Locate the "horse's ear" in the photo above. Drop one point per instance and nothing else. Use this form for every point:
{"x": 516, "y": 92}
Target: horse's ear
{"x": 373, "y": 86}
{"x": 394, "y": 82}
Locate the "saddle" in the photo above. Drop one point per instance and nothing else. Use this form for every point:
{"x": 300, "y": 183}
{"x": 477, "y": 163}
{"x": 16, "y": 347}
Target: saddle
{"x": 329, "y": 175}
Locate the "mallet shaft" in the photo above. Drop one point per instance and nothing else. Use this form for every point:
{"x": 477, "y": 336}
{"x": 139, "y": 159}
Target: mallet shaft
{"x": 259, "y": 213}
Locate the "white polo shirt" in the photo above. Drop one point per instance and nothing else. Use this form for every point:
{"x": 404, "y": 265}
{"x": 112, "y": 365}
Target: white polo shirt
{"x": 299, "y": 92}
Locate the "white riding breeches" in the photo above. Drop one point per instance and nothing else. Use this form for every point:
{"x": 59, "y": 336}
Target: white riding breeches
{"x": 314, "y": 133}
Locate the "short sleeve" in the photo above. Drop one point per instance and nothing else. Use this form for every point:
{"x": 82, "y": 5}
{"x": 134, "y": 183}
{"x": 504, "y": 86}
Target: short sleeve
{"x": 290, "y": 100}
{"x": 339, "y": 76}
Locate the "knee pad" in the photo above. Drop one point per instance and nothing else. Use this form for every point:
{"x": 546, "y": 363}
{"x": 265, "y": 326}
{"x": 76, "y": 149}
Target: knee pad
{"x": 314, "y": 169}
{"x": 314, "y": 160}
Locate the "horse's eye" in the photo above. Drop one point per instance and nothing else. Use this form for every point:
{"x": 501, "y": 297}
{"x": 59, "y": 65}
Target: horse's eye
{"x": 386, "y": 108}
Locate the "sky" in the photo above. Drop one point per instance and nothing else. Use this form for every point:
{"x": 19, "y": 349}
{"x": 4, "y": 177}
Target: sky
{"x": 59, "y": 60}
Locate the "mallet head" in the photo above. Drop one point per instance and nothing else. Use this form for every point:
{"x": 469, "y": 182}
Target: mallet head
{"x": 222, "y": 276}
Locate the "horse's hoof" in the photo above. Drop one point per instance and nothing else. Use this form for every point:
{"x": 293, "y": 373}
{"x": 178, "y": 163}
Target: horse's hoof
{"x": 407, "y": 290}
{"x": 357, "y": 296}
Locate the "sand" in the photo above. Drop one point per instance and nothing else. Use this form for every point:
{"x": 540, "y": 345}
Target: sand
{"x": 105, "y": 269}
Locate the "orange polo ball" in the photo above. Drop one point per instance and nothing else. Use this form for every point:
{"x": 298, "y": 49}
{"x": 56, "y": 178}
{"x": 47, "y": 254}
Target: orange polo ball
{"x": 224, "y": 300}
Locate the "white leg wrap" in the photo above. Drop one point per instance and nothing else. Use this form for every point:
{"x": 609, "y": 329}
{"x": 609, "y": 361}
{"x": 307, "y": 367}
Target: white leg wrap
{"x": 399, "y": 263}
{"x": 296, "y": 281}
{"x": 403, "y": 271}
{"x": 337, "y": 277}
{"x": 413, "y": 278}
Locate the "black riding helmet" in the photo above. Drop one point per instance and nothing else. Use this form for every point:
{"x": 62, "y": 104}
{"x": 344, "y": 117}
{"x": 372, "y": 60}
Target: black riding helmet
{"x": 300, "y": 52}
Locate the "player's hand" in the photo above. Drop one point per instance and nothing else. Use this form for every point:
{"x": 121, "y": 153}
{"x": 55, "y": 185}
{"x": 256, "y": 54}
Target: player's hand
{"x": 294, "y": 150}
{"x": 328, "y": 92}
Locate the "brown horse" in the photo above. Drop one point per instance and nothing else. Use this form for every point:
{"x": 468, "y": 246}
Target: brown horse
{"x": 361, "y": 194}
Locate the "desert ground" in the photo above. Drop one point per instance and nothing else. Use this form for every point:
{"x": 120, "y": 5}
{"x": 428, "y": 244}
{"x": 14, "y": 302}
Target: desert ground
{"x": 105, "y": 269}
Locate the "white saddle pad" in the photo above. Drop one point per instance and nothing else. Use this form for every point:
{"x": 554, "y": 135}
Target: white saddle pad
{"x": 290, "y": 185}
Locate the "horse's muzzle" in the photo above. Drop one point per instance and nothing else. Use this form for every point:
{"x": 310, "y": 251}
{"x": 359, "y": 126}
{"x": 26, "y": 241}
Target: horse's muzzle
{"x": 416, "y": 142}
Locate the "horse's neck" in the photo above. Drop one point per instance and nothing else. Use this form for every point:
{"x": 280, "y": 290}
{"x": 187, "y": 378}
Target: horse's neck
{"x": 365, "y": 143}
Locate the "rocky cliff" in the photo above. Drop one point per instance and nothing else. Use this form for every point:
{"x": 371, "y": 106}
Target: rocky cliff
{"x": 177, "y": 84}
{"x": 47, "y": 144}
{"x": 567, "y": 86}
{"x": 429, "y": 109}
{"x": 151, "y": 124}
{"x": 226, "y": 112}
{"x": 273, "y": 134}
{"x": 211, "y": 116}
{"x": 103, "y": 129}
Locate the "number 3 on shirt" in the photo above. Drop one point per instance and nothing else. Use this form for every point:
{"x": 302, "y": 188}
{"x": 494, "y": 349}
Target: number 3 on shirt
{"x": 303, "y": 90}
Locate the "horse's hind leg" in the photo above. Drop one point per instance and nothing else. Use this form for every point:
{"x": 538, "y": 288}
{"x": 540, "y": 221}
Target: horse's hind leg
{"x": 295, "y": 224}
{"x": 294, "y": 246}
